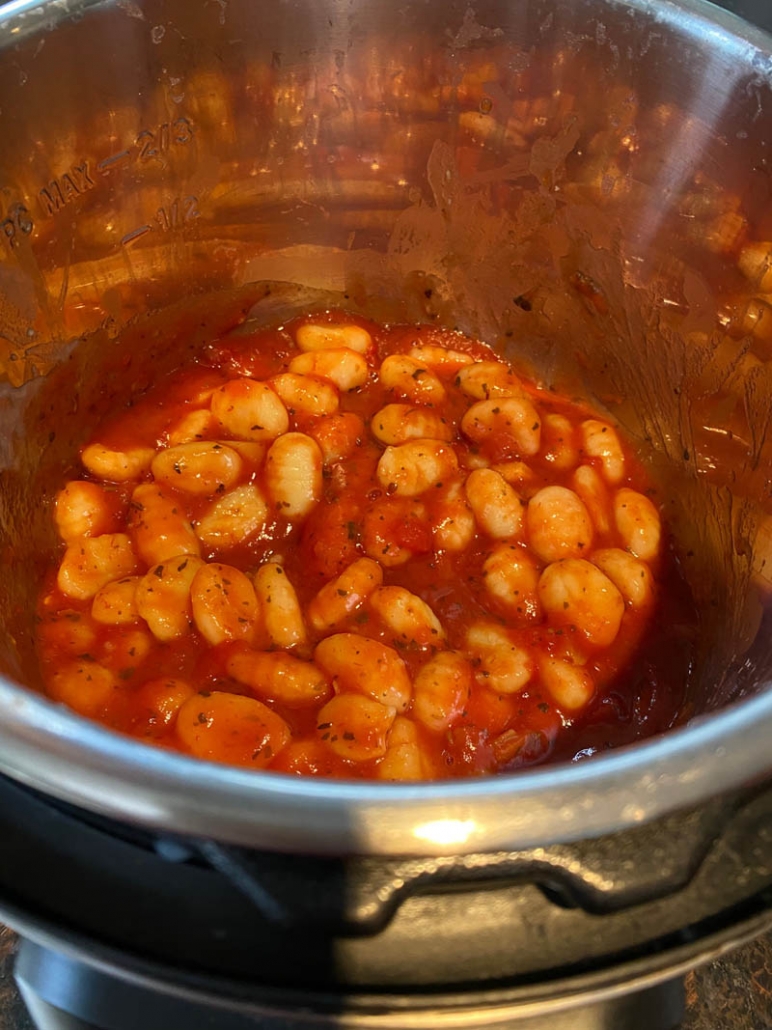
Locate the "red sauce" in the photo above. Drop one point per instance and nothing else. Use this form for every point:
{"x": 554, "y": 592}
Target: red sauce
{"x": 638, "y": 680}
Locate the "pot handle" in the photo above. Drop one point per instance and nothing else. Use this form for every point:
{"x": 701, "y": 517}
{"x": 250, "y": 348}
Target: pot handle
{"x": 358, "y": 896}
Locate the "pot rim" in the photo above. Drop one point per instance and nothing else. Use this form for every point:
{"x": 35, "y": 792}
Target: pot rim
{"x": 49, "y": 748}
{"x": 19, "y": 18}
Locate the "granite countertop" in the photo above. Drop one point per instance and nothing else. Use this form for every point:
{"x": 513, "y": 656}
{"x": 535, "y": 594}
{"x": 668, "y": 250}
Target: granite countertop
{"x": 733, "y": 993}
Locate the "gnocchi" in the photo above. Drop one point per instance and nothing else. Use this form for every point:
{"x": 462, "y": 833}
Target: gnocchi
{"x": 638, "y": 523}
{"x": 83, "y": 509}
{"x": 340, "y": 365}
{"x": 558, "y": 524}
{"x": 576, "y": 594}
{"x": 249, "y": 410}
{"x": 162, "y": 596}
{"x": 349, "y": 550}
{"x": 511, "y": 425}
{"x": 413, "y": 468}
{"x": 344, "y": 595}
{"x": 497, "y": 508}
{"x": 398, "y": 423}
{"x": 281, "y": 618}
{"x": 159, "y": 525}
{"x": 198, "y": 467}
{"x": 293, "y": 474}
{"x": 315, "y": 336}
{"x": 306, "y": 394}
{"x": 235, "y": 517}
{"x": 411, "y": 379}
{"x": 223, "y": 603}
{"x": 366, "y": 666}
{"x": 90, "y": 564}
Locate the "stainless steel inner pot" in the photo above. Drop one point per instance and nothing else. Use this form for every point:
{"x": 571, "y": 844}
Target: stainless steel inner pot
{"x": 585, "y": 184}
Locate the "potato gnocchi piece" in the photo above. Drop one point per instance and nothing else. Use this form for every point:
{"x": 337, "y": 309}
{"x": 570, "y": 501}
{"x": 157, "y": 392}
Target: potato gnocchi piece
{"x": 452, "y": 519}
{"x": 83, "y": 509}
{"x": 517, "y": 474}
{"x": 249, "y": 451}
{"x": 638, "y": 524}
{"x": 306, "y": 394}
{"x": 196, "y": 425}
{"x": 441, "y": 688}
{"x": 398, "y": 423}
{"x": 571, "y": 686}
{"x": 593, "y": 492}
{"x": 237, "y": 516}
{"x": 343, "y": 596}
{"x": 557, "y": 441}
{"x": 315, "y": 336}
{"x": 558, "y": 524}
{"x": 404, "y": 760}
{"x": 116, "y": 466}
{"x": 499, "y": 663}
{"x": 85, "y": 686}
{"x": 489, "y": 379}
{"x": 115, "y": 604}
{"x": 408, "y": 616}
{"x": 443, "y": 361}
{"x": 280, "y": 614}
{"x": 413, "y": 468}
{"x": 159, "y": 525}
{"x": 510, "y": 421}
{"x": 68, "y": 631}
{"x": 293, "y": 475}
{"x": 338, "y": 436}
{"x": 283, "y": 678}
{"x": 574, "y": 593}
{"x": 162, "y": 597}
{"x": 511, "y": 578}
{"x": 343, "y": 367}
{"x": 497, "y": 509}
{"x": 631, "y": 577}
{"x": 394, "y": 530}
{"x": 367, "y": 667}
{"x": 93, "y": 562}
{"x": 409, "y": 378}
{"x": 230, "y": 728}
{"x": 600, "y": 440}
{"x": 355, "y": 726}
{"x": 249, "y": 410}
{"x": 125, "y": 649}
{"x": 162, "y": 699}
{"x": 224, "y": 604}
{"x": 198, "y": 468}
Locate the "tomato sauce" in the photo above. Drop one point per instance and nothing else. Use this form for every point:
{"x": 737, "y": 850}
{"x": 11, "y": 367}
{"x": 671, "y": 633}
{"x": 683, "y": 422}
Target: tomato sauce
{"x": 579, "y": 694}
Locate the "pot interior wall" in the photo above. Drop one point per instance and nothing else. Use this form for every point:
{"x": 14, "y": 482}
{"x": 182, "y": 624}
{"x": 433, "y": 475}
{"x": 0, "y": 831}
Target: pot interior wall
{"x": 572, "y": 181}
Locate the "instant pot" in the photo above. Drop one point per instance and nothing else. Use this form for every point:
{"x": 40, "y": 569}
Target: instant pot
{"x": 585, "y": 185}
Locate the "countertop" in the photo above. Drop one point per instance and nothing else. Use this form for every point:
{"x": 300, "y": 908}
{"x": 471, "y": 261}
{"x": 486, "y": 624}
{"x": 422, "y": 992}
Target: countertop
{"x": 733, "y": 993}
